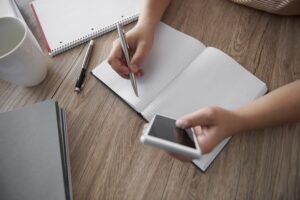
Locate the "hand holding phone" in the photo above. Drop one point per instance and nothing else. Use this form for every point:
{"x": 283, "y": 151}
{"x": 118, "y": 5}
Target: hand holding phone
{"x": 162, "y": 133}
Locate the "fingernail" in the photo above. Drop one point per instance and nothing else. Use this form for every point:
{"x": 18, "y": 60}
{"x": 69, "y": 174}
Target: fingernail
{"x": 204, "y": 144}
{"x": 140, "y": 73}
{"x": 180, "y": 123}
{"x": 200, "y": 137}
{"x": 126, "y": 71}
{"x": 134, "y": 68}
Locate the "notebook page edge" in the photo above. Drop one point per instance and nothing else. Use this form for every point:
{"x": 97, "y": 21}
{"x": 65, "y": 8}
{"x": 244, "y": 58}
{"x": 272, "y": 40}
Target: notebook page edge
{"x": 66, "y": 146}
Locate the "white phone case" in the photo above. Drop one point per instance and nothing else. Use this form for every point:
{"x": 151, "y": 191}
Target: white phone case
{"x": 170, "y": 146}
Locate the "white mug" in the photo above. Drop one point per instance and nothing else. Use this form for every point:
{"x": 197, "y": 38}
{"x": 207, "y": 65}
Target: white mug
{"x": 22, "y": 61}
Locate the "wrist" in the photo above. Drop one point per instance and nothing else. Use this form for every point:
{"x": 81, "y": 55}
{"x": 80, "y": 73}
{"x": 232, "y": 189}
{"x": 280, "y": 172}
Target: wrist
{"x": 240, "y": 121}
{"x": 145, "y": 32}
{"x": 147, "y": 24}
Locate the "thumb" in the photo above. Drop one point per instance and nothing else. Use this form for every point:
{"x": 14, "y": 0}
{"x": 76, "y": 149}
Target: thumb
{"x": 202, "y": 117}
{"x": 138, "y": 57}
{"x": 207, "y": 141}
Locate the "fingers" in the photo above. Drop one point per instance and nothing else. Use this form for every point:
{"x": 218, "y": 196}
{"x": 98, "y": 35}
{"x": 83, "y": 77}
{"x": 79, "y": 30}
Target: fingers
{"x": 145, "y": 127}
{"x": 115, "y": 60}
{"x": 138, "y": 57}
{"x": 201, "y": 117}
{"x": 197, "y": 130}
{"x": 208, "y": 140}
{"x": 205, "y": 123}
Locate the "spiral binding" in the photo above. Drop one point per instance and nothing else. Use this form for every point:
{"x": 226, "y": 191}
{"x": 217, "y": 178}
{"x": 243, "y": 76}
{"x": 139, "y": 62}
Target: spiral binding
{"x": 92, "y": 35}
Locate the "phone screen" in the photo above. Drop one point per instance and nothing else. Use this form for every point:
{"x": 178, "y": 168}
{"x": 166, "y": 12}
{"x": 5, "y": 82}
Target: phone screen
{"x": 166, "y": 129}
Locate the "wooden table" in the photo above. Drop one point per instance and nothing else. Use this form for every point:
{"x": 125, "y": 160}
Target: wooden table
{"x": 107, "y": 159}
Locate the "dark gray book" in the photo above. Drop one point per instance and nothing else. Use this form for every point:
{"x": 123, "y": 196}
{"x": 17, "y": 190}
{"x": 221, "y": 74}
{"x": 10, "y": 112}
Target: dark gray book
{"x": 34, "y": 161}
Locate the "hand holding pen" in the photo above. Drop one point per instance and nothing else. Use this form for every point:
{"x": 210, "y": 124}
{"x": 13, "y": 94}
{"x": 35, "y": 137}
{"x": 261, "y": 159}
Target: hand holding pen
{"x": 140, "y": 40}
{"x": 125, "y": 48}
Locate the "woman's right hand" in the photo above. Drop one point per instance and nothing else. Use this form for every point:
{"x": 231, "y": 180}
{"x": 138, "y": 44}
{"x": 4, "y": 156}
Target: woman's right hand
{"x": 140, "y": 40}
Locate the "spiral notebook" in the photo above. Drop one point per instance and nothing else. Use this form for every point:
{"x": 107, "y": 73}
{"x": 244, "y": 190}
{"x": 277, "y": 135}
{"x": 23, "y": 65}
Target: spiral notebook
{"x": 65, "y": 24}
{"x": 183, "y": 75}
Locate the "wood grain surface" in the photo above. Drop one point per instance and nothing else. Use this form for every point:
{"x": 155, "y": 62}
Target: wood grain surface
{"x": 107, "y": 159}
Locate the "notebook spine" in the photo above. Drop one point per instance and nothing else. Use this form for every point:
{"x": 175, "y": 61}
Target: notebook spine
{"x": 92, "y": 35}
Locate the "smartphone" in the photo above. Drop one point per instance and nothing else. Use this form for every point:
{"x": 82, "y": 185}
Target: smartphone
{"x": 162, "y": 133}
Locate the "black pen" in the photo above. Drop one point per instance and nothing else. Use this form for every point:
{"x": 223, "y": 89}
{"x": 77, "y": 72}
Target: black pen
{"x": 81, "y": 79}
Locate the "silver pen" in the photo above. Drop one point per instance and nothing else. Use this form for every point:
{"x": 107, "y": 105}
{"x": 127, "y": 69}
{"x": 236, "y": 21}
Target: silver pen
{"x": 125, "y": 48}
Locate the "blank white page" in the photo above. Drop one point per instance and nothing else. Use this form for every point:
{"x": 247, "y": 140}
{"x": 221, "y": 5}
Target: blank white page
{"x": 212, "y": 79}
{"x": 64, "y": 21}
{"x": 171, "y": 53}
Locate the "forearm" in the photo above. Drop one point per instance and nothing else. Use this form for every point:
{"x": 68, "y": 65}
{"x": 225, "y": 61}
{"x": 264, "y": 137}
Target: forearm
{"x": 279, "y": 107}
{"x": 152, "y": 12}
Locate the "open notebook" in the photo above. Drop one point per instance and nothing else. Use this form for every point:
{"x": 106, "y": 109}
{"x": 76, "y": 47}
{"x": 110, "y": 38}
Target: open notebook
{"x": 181, "y": 76}
{"x": 65, "y": 24}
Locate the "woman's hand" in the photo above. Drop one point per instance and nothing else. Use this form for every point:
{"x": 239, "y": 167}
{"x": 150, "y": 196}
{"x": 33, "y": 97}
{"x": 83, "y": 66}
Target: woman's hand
{"x": 140, "y": 40}
{"x": 211, "y": 125}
